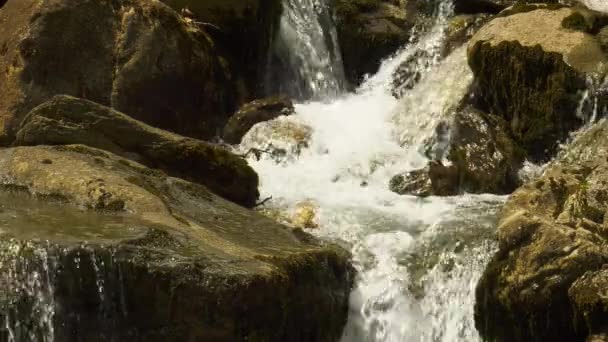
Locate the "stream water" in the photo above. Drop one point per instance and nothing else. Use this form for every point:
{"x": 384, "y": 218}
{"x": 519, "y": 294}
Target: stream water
{"x": 418, "y": 260}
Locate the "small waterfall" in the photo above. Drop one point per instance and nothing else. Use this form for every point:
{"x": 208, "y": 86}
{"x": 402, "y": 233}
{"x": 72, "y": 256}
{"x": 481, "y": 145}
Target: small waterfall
{"x": 418, "y": 259}
{"x": 307, "y": 50}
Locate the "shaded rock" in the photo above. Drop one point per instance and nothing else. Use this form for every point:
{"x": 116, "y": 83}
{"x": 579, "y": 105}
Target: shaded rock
{"x": 532, "y": 71}
{"x": 244, "y": 29}
{"x": 65, "y": 120}
{"x": 137, "y": 56}
{"x": 461, "y": 29}
{"x": 253, "y": 113}
{"x": 479, "y": 158}
{"x": 168, "y": 261}
{"x": 370, "y": 30}
{"x": 435, "y": 179}
{"x": 542, "y": 284}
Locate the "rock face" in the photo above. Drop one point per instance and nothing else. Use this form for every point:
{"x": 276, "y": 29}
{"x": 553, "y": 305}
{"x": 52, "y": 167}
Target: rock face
{"x": 253, "y": 113}
{"x": 547, "y": 281}
{"x": 152, "y": 258}
{"x": 481, "y": 158}
{"x": 369, "y": 31}
{"x": 137, "y": 56}
{"x": 244, "y": 29}
{"x": 531, "y": 69}
{"x": 65, "y": 120}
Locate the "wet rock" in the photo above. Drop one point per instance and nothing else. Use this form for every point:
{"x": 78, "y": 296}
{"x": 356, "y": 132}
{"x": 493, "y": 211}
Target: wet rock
{"x": 305, "y": 215}
{"x": 532, "y": 71}
{"x": 168, "y": 261}
{"x": 139, "y": 57}
{"x": 479, "y": 158}
{"x": 244, "y": 29}
{"x": 370, "y": 30}
{"x": 253, "y": 113}
{"x": 461, "y": 29}
{"x": 435, "y": 179}
{"x": 281, "y": 139}
{"x": 65, "y": 120}
{"x": 546, "y": 281}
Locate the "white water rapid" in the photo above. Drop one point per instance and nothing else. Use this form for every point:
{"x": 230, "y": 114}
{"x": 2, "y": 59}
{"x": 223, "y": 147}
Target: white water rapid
{"x": 418, "y": 260}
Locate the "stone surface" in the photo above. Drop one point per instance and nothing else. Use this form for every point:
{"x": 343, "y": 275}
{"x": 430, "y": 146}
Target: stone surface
{"x": 532, "y": 71}
{"x": 244, "y": 29}
{"x": 65, "y": 120}
{"x": 253, "y": 113}
{"x": 137, "y": 56}
{"x": 96, "y": 247}
{"x": 546, "y": 282}
{"x": 370, "y": 30}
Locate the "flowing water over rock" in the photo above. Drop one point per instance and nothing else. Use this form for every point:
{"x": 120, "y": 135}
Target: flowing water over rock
{"x": 307, "y": 46}
{"x": 418, "y": 259}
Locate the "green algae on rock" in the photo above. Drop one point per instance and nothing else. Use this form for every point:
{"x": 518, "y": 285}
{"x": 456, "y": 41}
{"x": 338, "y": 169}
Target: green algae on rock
{"x": 66, "y": 120}
{"x": 552, "y": 251}
{"x": 532, "y": 71}
{"x": 173, "y": 262}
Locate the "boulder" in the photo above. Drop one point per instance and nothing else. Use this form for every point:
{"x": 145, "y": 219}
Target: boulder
{"x": 66, "y": 120}
{"x": 370, "y": 30}
{"x": 244, "y": 29}
{"x": 137, "y": 56}
{"x": 96, "y": 247}
{"x": 253, "y": 113}
{"x": 478, "y": 157}
{"x": 532, "y": 67}
{"x": 547, "y": 280}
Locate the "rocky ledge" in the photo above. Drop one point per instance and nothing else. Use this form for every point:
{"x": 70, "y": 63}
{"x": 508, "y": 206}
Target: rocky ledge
{"x": 96, "y": 247}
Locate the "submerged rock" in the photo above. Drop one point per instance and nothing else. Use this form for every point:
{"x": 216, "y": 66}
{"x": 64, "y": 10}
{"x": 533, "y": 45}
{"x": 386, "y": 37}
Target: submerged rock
{"x": 65, "y": 120}
{"x": 434, "y": 179}
{"x": 546, "y": 281}
{"x": 253, "y": 113}
{"x": 531, "y": 68}
{"x": 152, "y": 258}
{"x": 137, "y": 56}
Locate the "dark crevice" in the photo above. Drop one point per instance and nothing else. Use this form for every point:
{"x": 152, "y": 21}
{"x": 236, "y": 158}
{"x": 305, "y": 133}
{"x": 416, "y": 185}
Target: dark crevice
{"x": 2, "y": 3}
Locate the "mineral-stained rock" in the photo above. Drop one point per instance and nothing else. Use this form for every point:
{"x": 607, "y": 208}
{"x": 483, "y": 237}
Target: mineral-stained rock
{"x": 531, "y": 69}
{"x": 137, "y": 56}
{"x": 546, "y": 282}
{"x": 100, "y": 248}
{"x": 65, "y": 120}
{"x": 253, "y": 113}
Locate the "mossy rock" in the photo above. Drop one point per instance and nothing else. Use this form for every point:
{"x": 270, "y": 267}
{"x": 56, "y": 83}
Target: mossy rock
{"x": 532, "y": 71}
{"x": 173, "y": 263}
{"x": 65, "y": 120}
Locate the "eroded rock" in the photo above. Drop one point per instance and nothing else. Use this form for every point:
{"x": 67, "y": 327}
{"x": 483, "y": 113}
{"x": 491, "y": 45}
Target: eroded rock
{"x": 137, "y": 56}
{"x": 543, "y": 283}
{"x": 152, "y": 258}
{"x": 66, "y": 120}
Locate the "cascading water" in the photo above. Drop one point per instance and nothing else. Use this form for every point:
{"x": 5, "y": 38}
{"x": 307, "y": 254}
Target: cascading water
{"x": 418, "y": 259}
{"x": 308, "y": 50}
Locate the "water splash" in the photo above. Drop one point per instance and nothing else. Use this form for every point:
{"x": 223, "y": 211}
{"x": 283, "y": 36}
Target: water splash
{"x": 417, "y": 259}
{"x": 307, "y": 45}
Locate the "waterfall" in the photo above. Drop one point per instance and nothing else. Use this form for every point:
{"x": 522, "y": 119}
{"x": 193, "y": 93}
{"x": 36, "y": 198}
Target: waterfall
{"x": 418, "y": 260}
{"x": 308, "y": 52}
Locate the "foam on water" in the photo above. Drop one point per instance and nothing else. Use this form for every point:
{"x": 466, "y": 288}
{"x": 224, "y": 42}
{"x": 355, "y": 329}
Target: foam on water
{"x": 418, "y": 259}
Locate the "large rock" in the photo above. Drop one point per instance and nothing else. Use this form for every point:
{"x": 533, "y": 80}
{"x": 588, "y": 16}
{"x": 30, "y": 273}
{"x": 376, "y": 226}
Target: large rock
{"x": 531, "y": 68}
{"x": 253, "y": 113}
{"x": 478, "y": 154}
{"x": 152, "y": 258}
{"x": 137, "y": 56}
{"x": 65, "y": 120}
{"x": 243, "y": 28}
{"x": 547, "y": 281}
{"x": 371, "y": 30}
